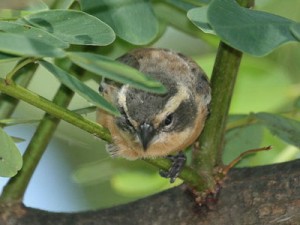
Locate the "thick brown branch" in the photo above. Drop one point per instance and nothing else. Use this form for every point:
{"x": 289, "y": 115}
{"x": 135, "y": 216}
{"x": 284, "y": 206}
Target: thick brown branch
{"x": 261, "y": 195}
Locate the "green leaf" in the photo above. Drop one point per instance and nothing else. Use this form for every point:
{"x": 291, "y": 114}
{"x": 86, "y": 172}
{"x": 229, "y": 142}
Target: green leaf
{"x": 117, "y": 71}
{"x": 295, "y": 28}
{"x": 198, "y": 16}
{"x": 184, "y": 5}
{"x": 11, "y": 122}
{"x": 251, "y": 31}
{"x": 284, "y": 128}
{"x": 10, "y": 157}
{"x": 80, "y": 88}
{"x": 132, "y": 20}
{"x": 86, "y": 174}
{"x": 17, "y": 44}
{"x": 32, "y": 32}
{"x": 254, "y": 32}
{"x": 74, "y": 27}
{"x": 85, "y": 110}
{"x": 17, "y": 139}
{"x": 6, "y": 57}
{"x": 240, "y": 140}
{"x": 145, "y": 183}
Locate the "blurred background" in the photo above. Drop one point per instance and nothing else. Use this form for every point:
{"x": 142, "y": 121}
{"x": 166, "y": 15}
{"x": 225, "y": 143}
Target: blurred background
{"x": 77, "y": 174}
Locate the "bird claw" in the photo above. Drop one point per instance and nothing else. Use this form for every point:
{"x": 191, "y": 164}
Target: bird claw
{"x": 178, "y": 162}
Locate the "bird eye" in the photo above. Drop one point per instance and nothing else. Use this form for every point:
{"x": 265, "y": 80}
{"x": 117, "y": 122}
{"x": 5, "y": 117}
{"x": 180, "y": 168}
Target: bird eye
{"x": 168, "y": 120}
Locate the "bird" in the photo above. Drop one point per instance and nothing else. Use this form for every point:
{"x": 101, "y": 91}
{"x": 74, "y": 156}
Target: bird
{"x": 154, "y": 125}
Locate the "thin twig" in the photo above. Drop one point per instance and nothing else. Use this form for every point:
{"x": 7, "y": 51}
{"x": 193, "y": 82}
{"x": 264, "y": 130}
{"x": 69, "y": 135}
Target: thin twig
{"x": 242, "y": 155}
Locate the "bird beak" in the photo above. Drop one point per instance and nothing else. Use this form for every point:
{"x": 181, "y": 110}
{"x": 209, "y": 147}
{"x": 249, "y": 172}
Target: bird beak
{"x": 146, "y": 133}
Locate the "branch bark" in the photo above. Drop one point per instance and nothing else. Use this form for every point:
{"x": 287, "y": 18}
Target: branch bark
{"x": 250, "y": 196}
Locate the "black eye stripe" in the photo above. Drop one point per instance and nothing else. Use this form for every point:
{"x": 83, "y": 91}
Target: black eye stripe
{"x": 182, "y": 117}
{"x": 124, "y": 123}
{"x": 123, "y": 113}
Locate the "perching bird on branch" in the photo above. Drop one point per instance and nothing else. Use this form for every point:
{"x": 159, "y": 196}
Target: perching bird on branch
{"x": 157, "y": 125}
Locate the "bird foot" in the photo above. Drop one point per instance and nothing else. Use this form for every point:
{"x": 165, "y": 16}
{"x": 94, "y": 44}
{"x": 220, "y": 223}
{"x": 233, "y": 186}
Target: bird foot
{"x": 178, "y": 162}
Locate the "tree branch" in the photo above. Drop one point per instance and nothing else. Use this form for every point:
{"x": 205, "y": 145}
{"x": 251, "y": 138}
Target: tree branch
{"x": 260, "y": 195}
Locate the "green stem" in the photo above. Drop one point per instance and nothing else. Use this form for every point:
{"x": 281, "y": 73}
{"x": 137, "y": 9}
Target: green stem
{"x": 23, "y": 94}
{"x": 22, "y": 77}
{"x": 222, "y": 83}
